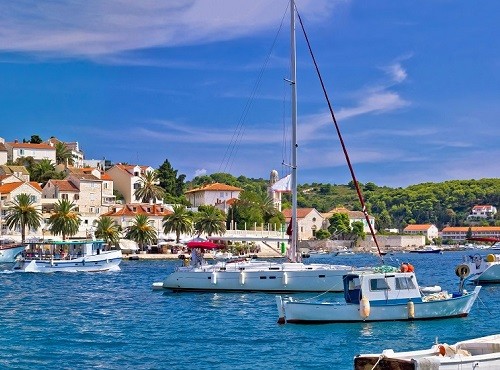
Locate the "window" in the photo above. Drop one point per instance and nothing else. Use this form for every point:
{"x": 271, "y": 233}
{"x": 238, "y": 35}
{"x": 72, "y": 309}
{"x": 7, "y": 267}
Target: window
{"x": 76, "y": 197}
{"x": 378, "y": 284}
{"x": 137, "y": 185}
{"x": 64, "y": 196}
{"x": 404, "y": 283}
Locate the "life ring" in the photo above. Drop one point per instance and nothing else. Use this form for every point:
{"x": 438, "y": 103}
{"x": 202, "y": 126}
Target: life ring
{"x": 462, "y": 271}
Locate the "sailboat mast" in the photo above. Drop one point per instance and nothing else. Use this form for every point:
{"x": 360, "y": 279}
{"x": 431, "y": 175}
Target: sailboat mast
{"x": 293, "y": 79}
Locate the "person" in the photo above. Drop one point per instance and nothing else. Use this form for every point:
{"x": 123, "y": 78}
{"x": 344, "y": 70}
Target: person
{"x": 404, "y": 267}
{"x": 410, "y": 267}
{"x": 194, "y": 257}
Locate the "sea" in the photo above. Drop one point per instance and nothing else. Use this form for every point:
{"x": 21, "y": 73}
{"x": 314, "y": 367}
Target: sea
{"x": 115, "y": 320}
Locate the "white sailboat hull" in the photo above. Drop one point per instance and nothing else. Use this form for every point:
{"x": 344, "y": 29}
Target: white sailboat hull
{"x": 305, "y": 312}
{"x": 479, "y": 353}
{"x": 259, "y": 276}
{"x": 105, "y": 261}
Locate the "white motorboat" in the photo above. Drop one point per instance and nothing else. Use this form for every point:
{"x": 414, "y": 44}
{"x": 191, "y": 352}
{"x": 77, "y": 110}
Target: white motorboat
{"x": 480, "y": 270}
{"x": 292, "y": 276}
{"x": 478, "y": 353}
{"x": 68, "y": 256}
{"x": 378, "y": 296}
{"x": 10, "y": 251}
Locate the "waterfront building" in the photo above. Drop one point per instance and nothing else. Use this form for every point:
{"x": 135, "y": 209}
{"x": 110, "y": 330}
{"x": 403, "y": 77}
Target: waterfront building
{"x": 459, "y": 233}
{"x": 428, "y": 230}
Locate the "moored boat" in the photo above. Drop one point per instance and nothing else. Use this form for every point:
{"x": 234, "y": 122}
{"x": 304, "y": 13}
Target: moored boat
{"x": 480, "y": 270}
{"x": 477, "y": 353}
{"x": 68, "y": 256}
{"x": 378, "y": 296}
{"x": 9, "y": 252}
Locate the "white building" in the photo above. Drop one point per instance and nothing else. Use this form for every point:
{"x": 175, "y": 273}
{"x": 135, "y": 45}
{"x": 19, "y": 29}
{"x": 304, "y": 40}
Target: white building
{"x": 217, "y": 194}
{"x": 428, "y": 230}
{"x": 16, "y": 150}
{"x": 309, "y": 221}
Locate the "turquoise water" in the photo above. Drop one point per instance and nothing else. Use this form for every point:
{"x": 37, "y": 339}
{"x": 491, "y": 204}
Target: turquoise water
{"x": 115, "y": 321}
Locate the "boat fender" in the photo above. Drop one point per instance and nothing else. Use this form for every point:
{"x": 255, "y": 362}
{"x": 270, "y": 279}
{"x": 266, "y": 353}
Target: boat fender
{"x": 442, "y": 350}
{"x": 404, "y": 267}
{"x": 490, "y": 258}
{"x": 364, "y": 307}
{"x": 411, "y": 309}
{"x": 462, "y": 271}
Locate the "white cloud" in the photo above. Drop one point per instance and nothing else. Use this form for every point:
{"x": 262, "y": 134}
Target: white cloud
{"x": 200, "y": 172}
{"x": 95, "y": 28}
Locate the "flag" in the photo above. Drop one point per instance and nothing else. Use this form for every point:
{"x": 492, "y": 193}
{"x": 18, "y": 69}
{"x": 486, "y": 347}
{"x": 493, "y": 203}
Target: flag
{"x": 289, "y": 229}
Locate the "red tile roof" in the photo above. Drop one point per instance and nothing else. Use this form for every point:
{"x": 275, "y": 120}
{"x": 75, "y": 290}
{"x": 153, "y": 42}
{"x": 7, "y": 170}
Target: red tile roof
{"x": 8, "y": 188}
{"x": 217, "y": 186}
{"x": 64, "y": 185}
{"x": 134, "y": 209}
{"x": 32, "y": 146}
{"x": 418, "y": 227}
{"x": 301, "y": 212}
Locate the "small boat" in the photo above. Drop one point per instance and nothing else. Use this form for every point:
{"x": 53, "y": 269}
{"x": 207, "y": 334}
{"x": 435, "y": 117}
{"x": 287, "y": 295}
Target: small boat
{"x": 379, "y": 295}
{"x": 10, "y": 251}
{"x": 479, "y": 353}
{"x": 428, "y": 249}
{"x": 480, "y": 270}
{"x": 68, "y": 256}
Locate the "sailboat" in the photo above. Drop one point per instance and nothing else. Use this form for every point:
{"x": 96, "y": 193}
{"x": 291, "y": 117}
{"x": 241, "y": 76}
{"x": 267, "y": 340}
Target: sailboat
{"x": 265, "y": 276}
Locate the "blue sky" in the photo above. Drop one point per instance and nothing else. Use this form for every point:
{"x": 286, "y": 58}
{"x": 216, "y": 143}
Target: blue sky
{"x": 414, "y": 84}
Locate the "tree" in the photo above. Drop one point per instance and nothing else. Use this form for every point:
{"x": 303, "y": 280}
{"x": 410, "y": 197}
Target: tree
{"x": 339, "y": 225}
{"x": 209, "y": 220}
{"x": 107, "y": 229}
{"x": 468, "y": 235}
{"x": 65, "y": 219}
{"x": 173, "y": 184}
{"x": 179, "y": 221}
{"x": 42, "y": 171}
{"x": 141, "y": 231}
{"x": 322, "y": 234}
{"x": 22, "y": 213}
{"x": 358, "y": 230}
{"x": 149, "y": 190}
{"x": 63, "y": 154}
{"x": 35, "y": 139}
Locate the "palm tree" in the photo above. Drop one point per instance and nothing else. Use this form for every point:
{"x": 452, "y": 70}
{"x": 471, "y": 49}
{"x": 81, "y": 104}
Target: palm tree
{"x": 23, "y": 214}
{"x": 40, "y": 170}
{"x": 149, "y": 188}
{"x": 180, "y": 221}
{"x": 210, "y": 220}
{"x": 141, "y": 231}
{"x": 63, "y": 154}
{"x": 65, "y": 219}
{"x": 108, "y": 230}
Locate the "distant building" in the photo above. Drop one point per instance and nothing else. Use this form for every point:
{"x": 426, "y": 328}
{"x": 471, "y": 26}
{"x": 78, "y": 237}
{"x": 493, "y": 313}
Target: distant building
{"x": 126, "y": 179}
{"x": 19, "y": 172}
{"x": 483, "y": 212}
{"x": 73, "y": 147}
{"x": 16, "y": 150}
{"x": 428, "y": 230}
{"x": 459, "y": 233}
{"x": 309, "y": 221}
{"x": 217, "y": 194}
{"x": 123, "y": 215}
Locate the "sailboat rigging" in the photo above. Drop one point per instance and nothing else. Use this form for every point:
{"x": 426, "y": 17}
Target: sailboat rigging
{"x": 253, "y": 275}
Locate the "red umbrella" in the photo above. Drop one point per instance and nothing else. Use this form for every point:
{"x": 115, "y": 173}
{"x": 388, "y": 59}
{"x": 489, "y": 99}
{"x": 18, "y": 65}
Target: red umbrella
{"x": 202, "y": 244}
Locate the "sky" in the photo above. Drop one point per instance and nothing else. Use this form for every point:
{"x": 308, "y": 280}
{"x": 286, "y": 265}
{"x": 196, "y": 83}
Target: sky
{"x": 415, "y": 85}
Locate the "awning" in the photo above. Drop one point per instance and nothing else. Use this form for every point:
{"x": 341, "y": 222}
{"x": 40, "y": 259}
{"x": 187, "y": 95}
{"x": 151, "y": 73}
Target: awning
{"x": 202, "y": 244}
{"x": 486, "y": 240}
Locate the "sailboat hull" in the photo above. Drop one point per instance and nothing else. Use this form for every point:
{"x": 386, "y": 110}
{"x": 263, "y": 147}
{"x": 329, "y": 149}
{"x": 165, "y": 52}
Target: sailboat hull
{"x": 259, "y": 277}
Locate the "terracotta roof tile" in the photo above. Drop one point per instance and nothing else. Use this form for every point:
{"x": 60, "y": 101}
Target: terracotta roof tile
{"x": 217, "y": 186}
{"x": 32, "y": 146}
{"x": 64, "y": 185}
{"x": 418, "y": 227}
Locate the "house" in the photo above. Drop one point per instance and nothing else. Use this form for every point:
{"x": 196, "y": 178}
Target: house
{"x": 89, "y": 189}
{"x": 3, "y": 152}
{"x": 77, "y": 155}
{"x": 16, "y": 150}
{"x": 428, "y": 230}
{"x": 309, "y": 221}
{"x": 126, "y": 180}
{"x": 123, "y": 215}
{"x": 459, "y": 233}
{"x": 216, "y": 194}
{"x": 482, "y": 212}
{"x": 18, "y": 172}
{"x": 8, "y": 192}
{"x": 354, "y": 216}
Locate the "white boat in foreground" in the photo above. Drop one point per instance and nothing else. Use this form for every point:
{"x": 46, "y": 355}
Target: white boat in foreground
{"x": 480, "y": 270}
{"x": 69, "y": 256}
{"x": 378, "y": 296}
{"x": 479, "y": 353}
{"x": 9, "y": 252}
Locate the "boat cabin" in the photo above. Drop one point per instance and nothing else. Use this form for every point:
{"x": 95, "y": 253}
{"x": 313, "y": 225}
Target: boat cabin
{"x": 381, "y": 288}
{"x": 67, "y": 249}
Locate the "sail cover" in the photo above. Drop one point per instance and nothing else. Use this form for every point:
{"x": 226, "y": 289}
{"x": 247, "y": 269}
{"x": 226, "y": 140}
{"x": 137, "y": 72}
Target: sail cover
{"x": 283, "y": 185}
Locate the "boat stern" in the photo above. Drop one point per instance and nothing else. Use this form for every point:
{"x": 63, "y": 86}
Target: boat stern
{"x": 280, "y": 305}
